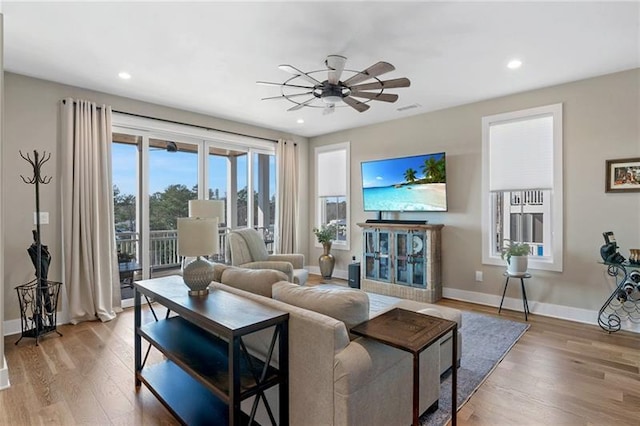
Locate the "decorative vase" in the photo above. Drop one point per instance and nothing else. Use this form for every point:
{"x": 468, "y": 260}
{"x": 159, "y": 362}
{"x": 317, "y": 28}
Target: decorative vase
{"x": 326, "y": 261}
{"x": 517, "y": 265}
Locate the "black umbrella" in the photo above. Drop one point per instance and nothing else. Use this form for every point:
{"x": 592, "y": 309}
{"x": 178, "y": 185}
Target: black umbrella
{"x": 45, "y": 258}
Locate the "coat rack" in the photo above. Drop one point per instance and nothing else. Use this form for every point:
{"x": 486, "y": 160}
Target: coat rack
{"x": 38, "y": 299}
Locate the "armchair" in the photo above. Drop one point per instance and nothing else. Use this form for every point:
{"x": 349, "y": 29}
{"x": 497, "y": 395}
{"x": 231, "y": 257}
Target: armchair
{"x": 248, "y": 250}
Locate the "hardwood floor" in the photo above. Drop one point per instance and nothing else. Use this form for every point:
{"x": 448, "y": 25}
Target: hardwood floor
{"x": 559, "y": 373}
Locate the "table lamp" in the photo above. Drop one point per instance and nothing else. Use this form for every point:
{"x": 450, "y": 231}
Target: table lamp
{"x": 207, "y": 208}
{"x": 197, "y": 237}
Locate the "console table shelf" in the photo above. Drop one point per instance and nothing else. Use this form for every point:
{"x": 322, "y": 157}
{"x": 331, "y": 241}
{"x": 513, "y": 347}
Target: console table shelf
{"x": 204, "y": 356}
{"x": 208, "y": 372}
{"x": 624, "y": 301}
{"x": 187, "y": 399}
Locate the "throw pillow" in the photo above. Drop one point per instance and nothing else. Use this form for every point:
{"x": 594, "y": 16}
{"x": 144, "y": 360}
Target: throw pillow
{"x": 258, "y": 281}
{"x": 350, "y": 306}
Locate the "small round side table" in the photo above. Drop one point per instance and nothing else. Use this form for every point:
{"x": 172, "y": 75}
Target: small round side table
{"x": 525, "y": 303}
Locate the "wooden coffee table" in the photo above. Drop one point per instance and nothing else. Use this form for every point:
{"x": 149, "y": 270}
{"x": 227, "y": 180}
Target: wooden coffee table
{"x": 414, "y": 332}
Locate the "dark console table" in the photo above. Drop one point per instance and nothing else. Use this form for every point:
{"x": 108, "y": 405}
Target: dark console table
{"x": 414, "y": 332}
{"x": 208, "y": 370}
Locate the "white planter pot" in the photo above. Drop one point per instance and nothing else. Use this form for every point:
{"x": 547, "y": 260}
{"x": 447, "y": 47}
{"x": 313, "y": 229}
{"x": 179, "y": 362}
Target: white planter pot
{"x": 517, "y": 265}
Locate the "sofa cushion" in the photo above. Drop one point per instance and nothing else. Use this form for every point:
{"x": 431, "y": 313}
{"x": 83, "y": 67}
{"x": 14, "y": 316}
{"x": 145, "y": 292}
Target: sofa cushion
{"x": 350, "y": 306}
{"x": 258, "y": 281}
{"x": 218, "y": 269}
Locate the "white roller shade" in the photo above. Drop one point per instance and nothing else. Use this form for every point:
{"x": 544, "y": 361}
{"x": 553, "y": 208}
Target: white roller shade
{"x": 521, "y": 154}
{"x": 332, "y": 173}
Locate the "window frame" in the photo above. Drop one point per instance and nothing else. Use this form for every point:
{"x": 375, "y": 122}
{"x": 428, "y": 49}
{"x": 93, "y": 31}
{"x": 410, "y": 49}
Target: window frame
{"x": 553, "y": 262}
{"x": 346, "y": 147}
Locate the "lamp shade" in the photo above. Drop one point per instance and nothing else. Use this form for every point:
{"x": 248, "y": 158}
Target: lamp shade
{"x": 207, "y": 208}
{"x": 197, "y": 236}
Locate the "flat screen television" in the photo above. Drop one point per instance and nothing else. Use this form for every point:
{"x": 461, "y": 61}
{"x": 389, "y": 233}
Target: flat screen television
{"x": 417, "y": 183}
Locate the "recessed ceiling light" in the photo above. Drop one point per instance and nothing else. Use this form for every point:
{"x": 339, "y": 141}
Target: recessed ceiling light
{"x": 124, "y": 75}
{"x": 514, "y": 64}
{"x": 300, "y": 121}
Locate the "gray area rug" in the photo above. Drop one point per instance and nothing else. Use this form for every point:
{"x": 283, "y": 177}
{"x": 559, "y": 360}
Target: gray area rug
{"x": 485, "y": 341}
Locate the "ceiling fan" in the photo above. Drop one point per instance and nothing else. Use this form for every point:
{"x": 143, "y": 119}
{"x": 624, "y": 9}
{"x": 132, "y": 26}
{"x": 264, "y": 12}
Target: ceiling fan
{"x": 331, "y": 92}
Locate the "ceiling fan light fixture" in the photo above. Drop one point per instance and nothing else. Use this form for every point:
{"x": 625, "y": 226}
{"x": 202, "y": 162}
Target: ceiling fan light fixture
{"x": 335, "y": 92}
{"x": 331, "y": 99}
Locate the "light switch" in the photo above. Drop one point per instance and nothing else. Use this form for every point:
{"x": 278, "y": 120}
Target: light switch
{"x": 44, "y": 218}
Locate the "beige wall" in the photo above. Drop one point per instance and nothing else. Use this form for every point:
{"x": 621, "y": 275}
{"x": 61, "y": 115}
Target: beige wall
{"x": 4, "y": 377}
{"x": 31, "y": 122}
{"x": 601, "y": 118}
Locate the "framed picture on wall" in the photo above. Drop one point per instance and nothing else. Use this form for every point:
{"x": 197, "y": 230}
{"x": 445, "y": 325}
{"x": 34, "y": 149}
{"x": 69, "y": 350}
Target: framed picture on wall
{"x": 622, "y": 175}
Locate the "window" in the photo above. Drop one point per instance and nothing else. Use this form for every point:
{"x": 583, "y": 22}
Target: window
{"x": 332, "y": 190}
{"x": 522, "y": 185}
{"x": 159, "y": 166}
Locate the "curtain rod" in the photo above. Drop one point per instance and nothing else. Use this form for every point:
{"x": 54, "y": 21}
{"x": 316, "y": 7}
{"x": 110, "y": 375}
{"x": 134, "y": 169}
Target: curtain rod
{"x": 64, "y": 101}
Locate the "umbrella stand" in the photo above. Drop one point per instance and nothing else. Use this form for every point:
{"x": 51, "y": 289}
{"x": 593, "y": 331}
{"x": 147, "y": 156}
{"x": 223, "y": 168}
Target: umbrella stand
{"x": 39, "y": 298}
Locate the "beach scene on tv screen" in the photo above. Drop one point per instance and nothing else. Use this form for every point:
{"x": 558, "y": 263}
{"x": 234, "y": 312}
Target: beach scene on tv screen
{"x": 405, "y": 184}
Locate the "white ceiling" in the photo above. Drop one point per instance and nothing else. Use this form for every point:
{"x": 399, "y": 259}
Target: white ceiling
{"x": 207, "y": 56}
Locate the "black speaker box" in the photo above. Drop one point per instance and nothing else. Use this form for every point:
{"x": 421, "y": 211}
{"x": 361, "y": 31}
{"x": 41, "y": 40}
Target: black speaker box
{"x": 354, "y": 275}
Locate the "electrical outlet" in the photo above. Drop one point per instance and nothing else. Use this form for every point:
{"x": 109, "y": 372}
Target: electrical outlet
{"x": 478, "y": 276}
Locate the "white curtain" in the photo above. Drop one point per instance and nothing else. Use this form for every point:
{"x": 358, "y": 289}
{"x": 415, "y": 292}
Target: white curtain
{"x": 288, "y": 210}
{"x": 88, "y": 234}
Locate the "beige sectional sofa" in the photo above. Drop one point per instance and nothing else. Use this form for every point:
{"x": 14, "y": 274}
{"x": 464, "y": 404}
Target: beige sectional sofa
{"x": 334, "y": 379}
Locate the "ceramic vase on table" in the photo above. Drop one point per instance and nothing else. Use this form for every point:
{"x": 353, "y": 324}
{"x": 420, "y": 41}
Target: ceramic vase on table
{"x": 326, "y": 261}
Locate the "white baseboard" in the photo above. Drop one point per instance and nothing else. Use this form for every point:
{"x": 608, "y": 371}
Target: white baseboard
{"x": 569, "y": 313}
{"x": 14, "y": 326}
{"x": 4, "y": 374}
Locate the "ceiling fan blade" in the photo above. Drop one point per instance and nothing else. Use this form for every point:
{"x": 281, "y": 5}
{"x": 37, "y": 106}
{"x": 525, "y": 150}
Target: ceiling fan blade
{"x": 355, "y": 104}
{"x": 295, "y": 71}
{"x": 335, "y": 63}
{"x": 268, "y": 83}
{"x": 297, "y": 107}
{"x": 287, "y": 96}
{"x": 329, "y": 109}
{"x": 373, "y": 71}
{"x": 385, "y": 97}
{"x": 388, "y": 84}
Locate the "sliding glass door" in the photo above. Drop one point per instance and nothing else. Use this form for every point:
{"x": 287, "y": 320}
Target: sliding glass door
{"x": 173, "y": 181}
{"x": 155, "y": 174}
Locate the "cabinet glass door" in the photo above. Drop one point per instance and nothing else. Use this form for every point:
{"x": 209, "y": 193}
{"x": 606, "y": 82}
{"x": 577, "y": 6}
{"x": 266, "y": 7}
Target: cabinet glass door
{"x": 410, "y": 258}
{"x": 403, "y": 266}
{"x": 376, "y": 255}
{"x": 369, "y": 253}
{"x": 384, "y": 267}
{"x": 417, "y": 248}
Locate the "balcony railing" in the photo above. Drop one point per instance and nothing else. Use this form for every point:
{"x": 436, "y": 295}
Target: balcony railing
{"x": 163, "y": 250}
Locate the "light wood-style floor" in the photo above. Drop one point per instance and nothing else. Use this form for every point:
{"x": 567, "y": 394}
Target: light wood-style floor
{"x": 559, "y": 373}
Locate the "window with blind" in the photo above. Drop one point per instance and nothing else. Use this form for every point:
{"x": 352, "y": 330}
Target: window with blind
{"x": 522, "y": 185}
{"x": 332, "y": 191}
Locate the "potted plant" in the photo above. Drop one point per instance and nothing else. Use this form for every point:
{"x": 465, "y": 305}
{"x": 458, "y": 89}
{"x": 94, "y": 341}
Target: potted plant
{"x": 126, "y": 257}
{"x": 326, "y": 261}
{"x": 516, "y": 255}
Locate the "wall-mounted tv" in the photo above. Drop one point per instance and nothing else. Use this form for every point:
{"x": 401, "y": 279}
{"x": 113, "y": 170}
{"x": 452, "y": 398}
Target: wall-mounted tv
{"x": 417, "y": 183}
